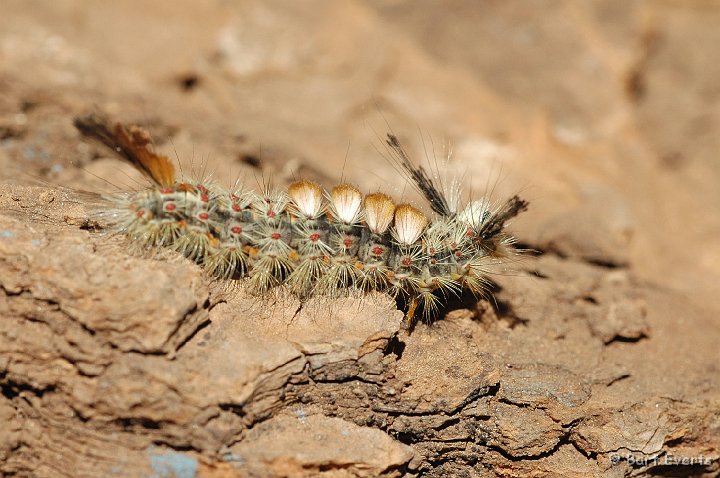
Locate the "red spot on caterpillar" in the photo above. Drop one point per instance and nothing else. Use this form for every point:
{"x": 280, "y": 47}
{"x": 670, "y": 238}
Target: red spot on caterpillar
{"x": 377, "y": 250}
{"x": 348, "y": 243}
{"x": 170, "y": 206}
{"x": 166, "y": 190}
{"x": 406, "y": 261}
{"x": 453, "y": 245}
{"x": 271, "y": 214}
{"x": 202, "y": 189}
{"x": 275, "y": 236}
{"x": 458, "y": 254}
{"x": 236, "y": 207}
{"x": 314, "y": 237}
{"x": 236, "y": 229}
{"x": 140, "y": 213}
{"x": 203, "y": 216}
{"x": 470, "y": 232}
{"x": 204, "y": 198}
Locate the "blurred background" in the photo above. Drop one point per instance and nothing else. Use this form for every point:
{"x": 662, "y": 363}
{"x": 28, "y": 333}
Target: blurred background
{"x": 604, "y": 114}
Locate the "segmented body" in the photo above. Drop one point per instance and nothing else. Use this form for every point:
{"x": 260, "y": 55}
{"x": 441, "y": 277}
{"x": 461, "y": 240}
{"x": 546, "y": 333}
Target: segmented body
{"x": 311, "y": 240}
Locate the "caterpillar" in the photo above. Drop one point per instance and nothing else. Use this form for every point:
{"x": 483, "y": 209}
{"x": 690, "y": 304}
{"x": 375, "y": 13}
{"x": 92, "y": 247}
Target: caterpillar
{"x": 311, "y": 240}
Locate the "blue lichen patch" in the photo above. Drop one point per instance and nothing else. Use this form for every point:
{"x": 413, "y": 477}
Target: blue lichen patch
{"x": 170, "y": 464}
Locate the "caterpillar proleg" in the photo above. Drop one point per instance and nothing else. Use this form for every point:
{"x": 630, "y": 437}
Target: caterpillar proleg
{"x": 314, "y": 241}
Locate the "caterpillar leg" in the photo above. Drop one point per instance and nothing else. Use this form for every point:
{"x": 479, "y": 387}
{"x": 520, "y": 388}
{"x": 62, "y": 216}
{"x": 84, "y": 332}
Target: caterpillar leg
{"x": 409, "y": 320}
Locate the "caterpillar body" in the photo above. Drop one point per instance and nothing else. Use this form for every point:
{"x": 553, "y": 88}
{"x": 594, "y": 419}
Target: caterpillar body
{"x": 314, "y": 241}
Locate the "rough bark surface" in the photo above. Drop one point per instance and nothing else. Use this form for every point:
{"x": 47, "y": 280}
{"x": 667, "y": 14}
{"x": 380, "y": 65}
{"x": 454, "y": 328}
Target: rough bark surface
{"x": 598, "y": 355}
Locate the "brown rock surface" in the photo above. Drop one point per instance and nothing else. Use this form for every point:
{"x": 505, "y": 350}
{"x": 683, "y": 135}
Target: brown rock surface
{"x": 599, "y": 356}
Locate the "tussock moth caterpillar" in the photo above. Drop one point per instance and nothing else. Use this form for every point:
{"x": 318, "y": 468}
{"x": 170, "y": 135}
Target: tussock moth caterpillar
{"x": 314, "y": 241}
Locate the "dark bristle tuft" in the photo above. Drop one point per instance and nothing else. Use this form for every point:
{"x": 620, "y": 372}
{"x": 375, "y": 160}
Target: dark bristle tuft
{"x": 420, "y": 177}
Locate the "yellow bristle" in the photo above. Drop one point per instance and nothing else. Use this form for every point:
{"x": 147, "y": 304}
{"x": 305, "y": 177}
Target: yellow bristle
{"x": 379, "y": 209}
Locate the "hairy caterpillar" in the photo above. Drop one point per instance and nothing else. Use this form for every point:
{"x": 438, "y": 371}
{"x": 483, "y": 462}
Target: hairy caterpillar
{"x": 313, "y": 241}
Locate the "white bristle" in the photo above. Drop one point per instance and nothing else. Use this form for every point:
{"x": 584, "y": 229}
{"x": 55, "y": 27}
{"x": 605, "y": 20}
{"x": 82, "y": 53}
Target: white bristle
{"x": 346, "y": 200}
{"x": 307, "y": 197}
{"x": 409, "y": 224}
{"x": 474, "y": 212}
